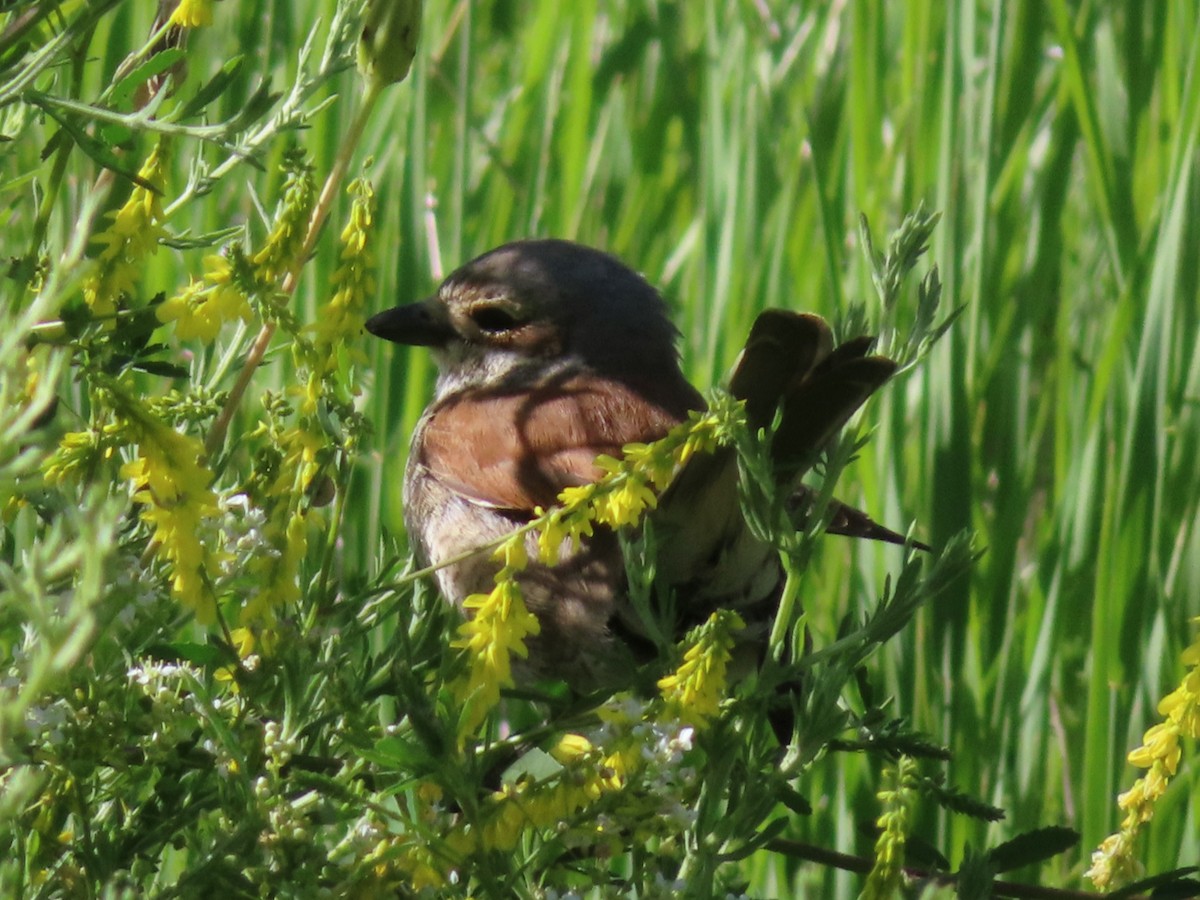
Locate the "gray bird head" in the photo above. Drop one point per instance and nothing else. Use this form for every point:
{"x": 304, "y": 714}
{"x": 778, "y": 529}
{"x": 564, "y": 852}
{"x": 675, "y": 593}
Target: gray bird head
{"x": 533, "y": 309}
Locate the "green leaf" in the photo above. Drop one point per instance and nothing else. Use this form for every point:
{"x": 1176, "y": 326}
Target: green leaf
{"x": 975, "y": 876}
{"x": 396, "y": 753}
{"x": 793, "y": 800}
{"x": 203, "y": 241}
{"x": 124, "y": 89}
{"x": 959, "y": 802}
{"x": 213, "y": 88}
{"x": 97, "y": 151}
{"x": 1032, "y": 847}
{"x": 757, "y": 842}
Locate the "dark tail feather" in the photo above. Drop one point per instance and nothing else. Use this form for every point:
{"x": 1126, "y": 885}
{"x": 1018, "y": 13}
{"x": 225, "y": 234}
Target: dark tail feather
{"x": 790, "y": 364}
{"x": 783, "y": 348}
{"x": 817, "y": 407}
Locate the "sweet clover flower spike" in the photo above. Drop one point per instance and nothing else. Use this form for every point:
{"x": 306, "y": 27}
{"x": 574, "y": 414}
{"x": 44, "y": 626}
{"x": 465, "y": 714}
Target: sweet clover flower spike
{"x": 282, "y": 499}
{"x": 694, "y": 691}
{"x": 897, "y": 799}
{"x": 492, "y": 636}
{"x": 1113, "y": 862}
{"x": 341, "y": 319}
{"x": 281, "y": 252}
{"x": 628, "y": 487}
{"x": 133, "y": 235}
{"x": 173, "y": 488}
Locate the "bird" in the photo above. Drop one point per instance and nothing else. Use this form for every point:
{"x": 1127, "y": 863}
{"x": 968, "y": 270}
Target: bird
{"x": 550, "y": 353}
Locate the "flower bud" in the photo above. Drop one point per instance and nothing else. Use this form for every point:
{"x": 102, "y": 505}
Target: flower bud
{"x": 388, "y": 41}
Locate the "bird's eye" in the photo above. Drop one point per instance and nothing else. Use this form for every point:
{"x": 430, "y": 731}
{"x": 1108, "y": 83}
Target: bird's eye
{"x": 494, "y": 319}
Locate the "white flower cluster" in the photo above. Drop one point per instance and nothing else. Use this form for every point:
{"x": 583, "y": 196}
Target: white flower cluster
{"x": 664, "y": 744}
{"x": 166, "y": 684}
{"x": 241, "y": 526}
{"x": 176, "y": 710}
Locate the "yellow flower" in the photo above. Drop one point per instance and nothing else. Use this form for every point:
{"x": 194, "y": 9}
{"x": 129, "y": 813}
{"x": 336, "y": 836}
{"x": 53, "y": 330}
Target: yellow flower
{"x": 626, "y": 503}
{"x": 566, "y": 524}
{"x": 512, "y": 553}
{"x": 339, "y": 323}
{"x": 192, "y": 14}
{"x": 571, "y": 747}
{"x": 657, "y": 466}
{"x": 1191, "y": 656}
{"x": 576, "y": 497}
{"x": 491, "y": 637}
{"x": 1113, "y": 862}
{"x": 133, "y": 235}
{"x": 173, "y": 487}
{"x": 301, "y": 448}
{"x": 204, "y": 306}
{"x": 279, "y": 255}
{"x": 693, "y": 692}
{"x": 1159, "y": 744}
{"x": 78, "y": 452}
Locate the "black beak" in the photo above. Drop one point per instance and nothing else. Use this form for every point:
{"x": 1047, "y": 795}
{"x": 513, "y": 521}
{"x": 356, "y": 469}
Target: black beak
{"x": 416, "y": 324}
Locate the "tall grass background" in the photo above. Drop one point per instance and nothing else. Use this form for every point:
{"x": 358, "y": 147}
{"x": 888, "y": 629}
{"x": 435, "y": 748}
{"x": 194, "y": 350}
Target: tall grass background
{"x": 726, "y": 149}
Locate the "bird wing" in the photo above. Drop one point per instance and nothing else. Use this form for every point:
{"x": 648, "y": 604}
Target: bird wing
{"x": 518, "y": 449}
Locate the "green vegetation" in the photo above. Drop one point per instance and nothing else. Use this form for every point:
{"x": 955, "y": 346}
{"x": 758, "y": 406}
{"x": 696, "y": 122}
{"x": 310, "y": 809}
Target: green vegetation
{"x": 308, "y": 737}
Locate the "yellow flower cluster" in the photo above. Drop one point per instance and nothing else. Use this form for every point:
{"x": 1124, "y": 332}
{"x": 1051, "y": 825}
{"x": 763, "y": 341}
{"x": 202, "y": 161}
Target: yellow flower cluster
{"x": 588, "y": 774}
{"x": 170, "y": 482}
{"x": 192, "y": 14}
{"x": 305, "y": 446}
{"x": 496, "y": 630}
{"x": 694, "y": 691}
{"x": 132, "y": 236}
{"x": 636, "y": 742}
{"x": 205, "y": 305}
{"x": 281, "y": 252}
{"x": 80, "y": 451}
{"x": 893, "y": 823}
{"x": 284, "y": 503}
{"x": 1113, "y": 862}
{"x": 341, "y": 320}
{"x": 629, "y": 486}
{"x": 173, "y": 487}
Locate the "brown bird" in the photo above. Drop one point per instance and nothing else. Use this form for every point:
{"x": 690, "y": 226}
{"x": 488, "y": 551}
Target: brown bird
{"x": 550, "y": 353}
